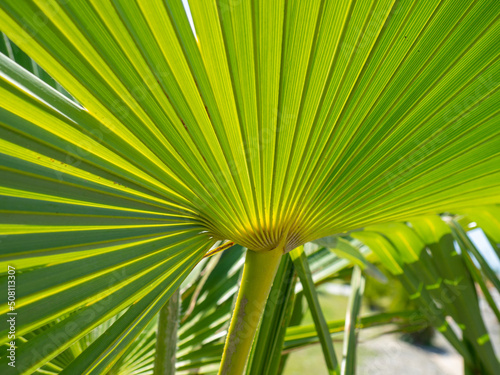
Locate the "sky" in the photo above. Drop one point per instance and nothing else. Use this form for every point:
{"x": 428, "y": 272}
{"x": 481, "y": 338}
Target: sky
{"x": 190, "y": 17}
{"x": 483, "y": 245}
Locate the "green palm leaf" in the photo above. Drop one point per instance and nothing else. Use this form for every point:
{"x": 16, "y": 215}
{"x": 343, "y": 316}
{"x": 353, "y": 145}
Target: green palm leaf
{"x": 436, "y": 276}
{"x": 278, "y": 123}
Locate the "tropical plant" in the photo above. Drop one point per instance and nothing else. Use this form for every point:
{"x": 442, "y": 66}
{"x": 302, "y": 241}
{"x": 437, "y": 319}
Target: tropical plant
{"x": 269, "y": 124}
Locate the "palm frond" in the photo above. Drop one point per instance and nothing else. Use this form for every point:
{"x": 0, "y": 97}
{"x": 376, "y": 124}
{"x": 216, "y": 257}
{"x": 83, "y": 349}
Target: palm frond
{"x": 277, "y": 123}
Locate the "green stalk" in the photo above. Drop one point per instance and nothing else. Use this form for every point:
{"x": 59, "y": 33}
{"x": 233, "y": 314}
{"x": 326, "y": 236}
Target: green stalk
{"x": 266, "y": 350}
{"x": 304, "y": 272}
{"x": 258, "y": 275}
{"x": 166, "y": 342}
{"x": 351, "y": 320}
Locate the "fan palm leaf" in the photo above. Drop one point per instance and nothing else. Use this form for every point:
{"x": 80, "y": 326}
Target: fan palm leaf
{"x": 271, "y": 125}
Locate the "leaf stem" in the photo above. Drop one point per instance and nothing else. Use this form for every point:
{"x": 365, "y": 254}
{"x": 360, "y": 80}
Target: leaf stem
{"x": 166, "y": 343}
{"x": 304, "y": 272}
{"x": 258, "y": 275}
